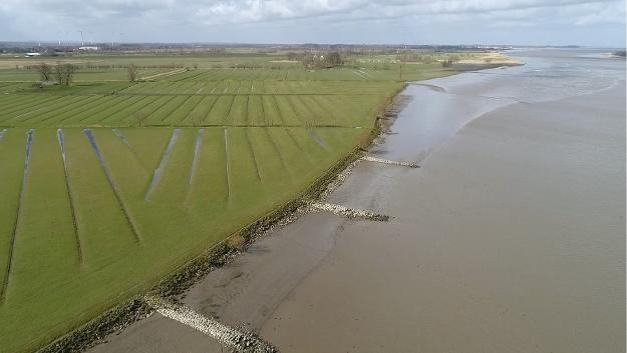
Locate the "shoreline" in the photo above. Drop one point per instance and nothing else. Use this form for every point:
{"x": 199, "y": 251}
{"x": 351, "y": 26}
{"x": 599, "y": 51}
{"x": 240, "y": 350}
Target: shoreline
{"x": 218, "y": 255}
{"x": 182, "y": 278}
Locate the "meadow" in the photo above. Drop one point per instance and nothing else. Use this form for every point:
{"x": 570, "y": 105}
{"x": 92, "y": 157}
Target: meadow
{"x": 109, "y": 186}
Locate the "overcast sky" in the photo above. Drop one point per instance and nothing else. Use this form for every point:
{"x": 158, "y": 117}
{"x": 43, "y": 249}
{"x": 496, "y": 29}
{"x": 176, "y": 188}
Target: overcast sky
{"x": 555, "y": 22}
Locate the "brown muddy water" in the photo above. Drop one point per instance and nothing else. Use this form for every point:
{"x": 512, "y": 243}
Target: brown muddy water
{"x": 509, "y": 238}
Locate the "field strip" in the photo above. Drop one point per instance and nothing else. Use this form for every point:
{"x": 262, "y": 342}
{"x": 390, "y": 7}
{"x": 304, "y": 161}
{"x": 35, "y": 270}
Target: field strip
{"x": 253, "y": 154}
{"x": 279, "y": 153}
{"x": 7, "y": 274}
{"x": 360, "y": 75}
{"x": 122, "y": 138}
{"x": 168, "y": 73}
{"x": 294, "y": 140}
{"x": 387, "y": 161}
{"x": 298, "y": 146}
{"x": 208, "y": 112}
{"x": 308, "y": 107}
{"x": 363, "y": 72}
{"x": 155, "y": 109}
{"x": 228, "y": 113}
{"x": 347, "y": 212}
{"x": 130, "y": 147}
{"x": 278, "y": 110}
{"x": 225, "y": 92}
{"x": 228, "y": 336}
{"x": 189, "y": 113}
{"x": 130, "y": 109}
{"x": 177, "y": 107}
{"x": 44, "y": 106}
{"x": 314, "y": 136}
{"x": 77, "y": 237}
{"x": 197, "y": 146}
{"x": 18, "y": 102}
{"x": 228, "y": 164}
{"x": 2, "y": 133}
{"x": 61, "y": 109}
{"x": 233, "y": 126}
{"x": 189, "y": 78}
{"x": 246, "y": 114}
{"x": 293, "y": 108}
{"x": 114, "y": 109}
{"x": 112, "y": 184}
{"x": 324, "y": 109}
{"x": 21, "y": 105}
{"x": 162, "y": 163}
{"x": 263, "y": 111}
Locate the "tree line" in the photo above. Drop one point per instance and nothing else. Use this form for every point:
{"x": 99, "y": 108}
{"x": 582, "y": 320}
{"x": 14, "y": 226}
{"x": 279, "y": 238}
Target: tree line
{"x": 63, "y": 74}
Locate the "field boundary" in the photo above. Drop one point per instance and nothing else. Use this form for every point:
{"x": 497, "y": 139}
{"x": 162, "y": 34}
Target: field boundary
{"x": 70, "y": 196}
{"x": 185, "y": 275}
{"x": 92, "y": 141}
{"x": 16, "y": 222}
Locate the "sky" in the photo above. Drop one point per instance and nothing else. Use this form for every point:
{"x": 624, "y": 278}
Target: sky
{"x": 599, "y": 23}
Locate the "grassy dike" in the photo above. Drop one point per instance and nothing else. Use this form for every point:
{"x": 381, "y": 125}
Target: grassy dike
{"x": 219, "y": 254}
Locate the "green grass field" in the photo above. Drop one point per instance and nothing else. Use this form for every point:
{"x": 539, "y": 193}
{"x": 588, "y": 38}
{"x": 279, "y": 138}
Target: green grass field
{"x": 109, "y": 186}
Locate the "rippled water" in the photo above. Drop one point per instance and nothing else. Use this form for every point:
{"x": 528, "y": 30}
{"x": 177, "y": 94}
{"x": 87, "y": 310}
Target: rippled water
{"x": 440, "y": 107}
{"x": 510, "y": 238}
{"x": 547, "y": 75}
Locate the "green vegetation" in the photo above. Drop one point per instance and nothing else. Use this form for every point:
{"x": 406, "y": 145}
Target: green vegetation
{"x": 125, "y": 182}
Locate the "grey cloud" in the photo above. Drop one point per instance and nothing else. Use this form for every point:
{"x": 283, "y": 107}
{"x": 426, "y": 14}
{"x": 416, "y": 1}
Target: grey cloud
{"x": 263, "y": 20}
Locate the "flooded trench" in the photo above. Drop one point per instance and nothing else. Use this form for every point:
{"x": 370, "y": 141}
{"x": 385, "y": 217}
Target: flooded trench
{"x": 509, "y": 238}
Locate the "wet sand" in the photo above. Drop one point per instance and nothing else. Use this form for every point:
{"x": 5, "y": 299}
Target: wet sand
{"x": 510, "y": 237}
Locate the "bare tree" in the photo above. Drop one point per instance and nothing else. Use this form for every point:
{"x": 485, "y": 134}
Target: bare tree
{"x": 45, "y": 71}
{"x": 58, "y": 73}
{"x": 68, "y": 73}
{"x": 64, "y": 73}
{"x": 132, "y": 72}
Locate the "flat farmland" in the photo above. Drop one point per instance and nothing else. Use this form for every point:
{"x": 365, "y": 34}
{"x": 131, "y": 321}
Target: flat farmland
{"x": 116, "y": 209}
{"x": 110, "y": 186}
{"x": 196, "y": 103}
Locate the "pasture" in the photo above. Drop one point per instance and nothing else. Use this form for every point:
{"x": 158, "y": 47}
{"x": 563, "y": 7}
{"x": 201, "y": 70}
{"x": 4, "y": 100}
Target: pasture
{"x": 109, "y": 186}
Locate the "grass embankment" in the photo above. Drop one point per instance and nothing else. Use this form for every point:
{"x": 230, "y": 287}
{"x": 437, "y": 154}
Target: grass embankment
{"x": 79, "y": 238}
